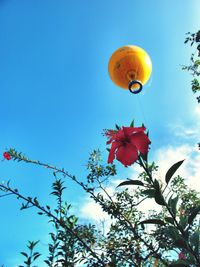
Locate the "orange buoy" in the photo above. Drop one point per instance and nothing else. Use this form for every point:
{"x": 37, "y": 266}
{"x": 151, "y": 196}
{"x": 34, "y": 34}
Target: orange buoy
{"x": 129, "y": 67}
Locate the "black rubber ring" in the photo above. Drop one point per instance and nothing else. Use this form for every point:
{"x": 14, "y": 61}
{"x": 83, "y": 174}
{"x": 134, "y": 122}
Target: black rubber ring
{"x": 136, "y": 91}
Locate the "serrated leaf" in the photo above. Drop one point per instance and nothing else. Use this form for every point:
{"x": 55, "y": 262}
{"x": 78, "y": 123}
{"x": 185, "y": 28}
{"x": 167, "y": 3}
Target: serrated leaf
{"x": 172, "y": 170}
{"x": 153, "y": 221}
{"x": 193, "y": 214}
{"x": 131, "y": 182}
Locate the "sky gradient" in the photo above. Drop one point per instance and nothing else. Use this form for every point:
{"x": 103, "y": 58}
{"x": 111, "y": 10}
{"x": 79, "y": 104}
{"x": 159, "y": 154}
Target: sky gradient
{"x": 57, "y": 97}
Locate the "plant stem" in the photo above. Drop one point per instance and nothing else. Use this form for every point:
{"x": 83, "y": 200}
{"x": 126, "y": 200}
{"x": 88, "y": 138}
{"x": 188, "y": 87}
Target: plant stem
{"x": 171, "y": 213}
{"x": 59, "y": 221}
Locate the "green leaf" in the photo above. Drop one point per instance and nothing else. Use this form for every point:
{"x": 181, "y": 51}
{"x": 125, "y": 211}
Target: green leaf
{"x": 117, "y": 127}
{"x": 132, "y": 123}
{"x": 28, "y": 262}
{"x": 36, "y": 256}
{"x": 172, "y": 170}
{"x": 178, "y": 240}
{"x": 131, "y": 182}
{"x": 159, "y": 199}
{"x": 24, "y": 254}
{"x": 183, "y": 221}
{"x": 193, "y": 214}
{"x": 169, "y": 220}
{"x": 172, "y": 204}
{"x": 144, "y": 156}
{"x": 149, "y": 192}
{"x": 153, "y": 221}
{"x": 197, "y": 62}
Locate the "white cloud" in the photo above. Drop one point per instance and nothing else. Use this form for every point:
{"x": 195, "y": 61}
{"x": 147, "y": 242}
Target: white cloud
{"x": 184, "y": 130}
{"x": 168, "y": 155}
{"x": 165, "y": 157}
{"x": 93, "y": 211}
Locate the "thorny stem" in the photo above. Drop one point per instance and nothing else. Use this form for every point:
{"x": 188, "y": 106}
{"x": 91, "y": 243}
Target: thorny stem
{"x": 59, "y": 221}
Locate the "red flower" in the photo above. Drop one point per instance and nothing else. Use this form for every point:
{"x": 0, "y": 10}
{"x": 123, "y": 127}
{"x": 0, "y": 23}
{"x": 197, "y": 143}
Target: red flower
{"x": 6, "y": 155}
{"x": 181, "y": 256}
{"x": 126, "y": 143}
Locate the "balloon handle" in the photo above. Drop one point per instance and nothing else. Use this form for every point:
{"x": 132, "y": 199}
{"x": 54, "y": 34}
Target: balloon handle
{"x": 135, "y": 91}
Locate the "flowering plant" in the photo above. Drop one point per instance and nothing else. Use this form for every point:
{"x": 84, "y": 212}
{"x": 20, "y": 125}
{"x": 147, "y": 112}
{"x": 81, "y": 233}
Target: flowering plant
{"x": 169, "y": 237}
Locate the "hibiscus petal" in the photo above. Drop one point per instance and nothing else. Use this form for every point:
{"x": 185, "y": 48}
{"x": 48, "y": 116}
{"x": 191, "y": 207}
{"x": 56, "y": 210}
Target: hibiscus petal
{"x": 110, "y": 134}
{"x": 117, "y": 136}
{"x": 141, "y": 141}
{"x": 128, "y": 131}
{"x": 127, "y": 154}
{"x": 114, "y": 147}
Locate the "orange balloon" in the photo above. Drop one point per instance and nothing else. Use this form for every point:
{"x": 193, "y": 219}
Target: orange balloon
{"x": 129, "y": 63}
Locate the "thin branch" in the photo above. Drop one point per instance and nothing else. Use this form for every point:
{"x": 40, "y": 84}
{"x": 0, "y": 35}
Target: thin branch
{"x": 6, "y": 195}
{"x": 59, "y": 221}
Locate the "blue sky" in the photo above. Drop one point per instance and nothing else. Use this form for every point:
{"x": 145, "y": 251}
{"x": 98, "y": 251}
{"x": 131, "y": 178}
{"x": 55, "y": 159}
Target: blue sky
{"x": 56, "y": 95}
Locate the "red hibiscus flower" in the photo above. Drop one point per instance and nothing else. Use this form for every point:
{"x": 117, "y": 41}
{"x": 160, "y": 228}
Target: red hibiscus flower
{"x": 126, "y": 143}
{"x": 6, "y": 155}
